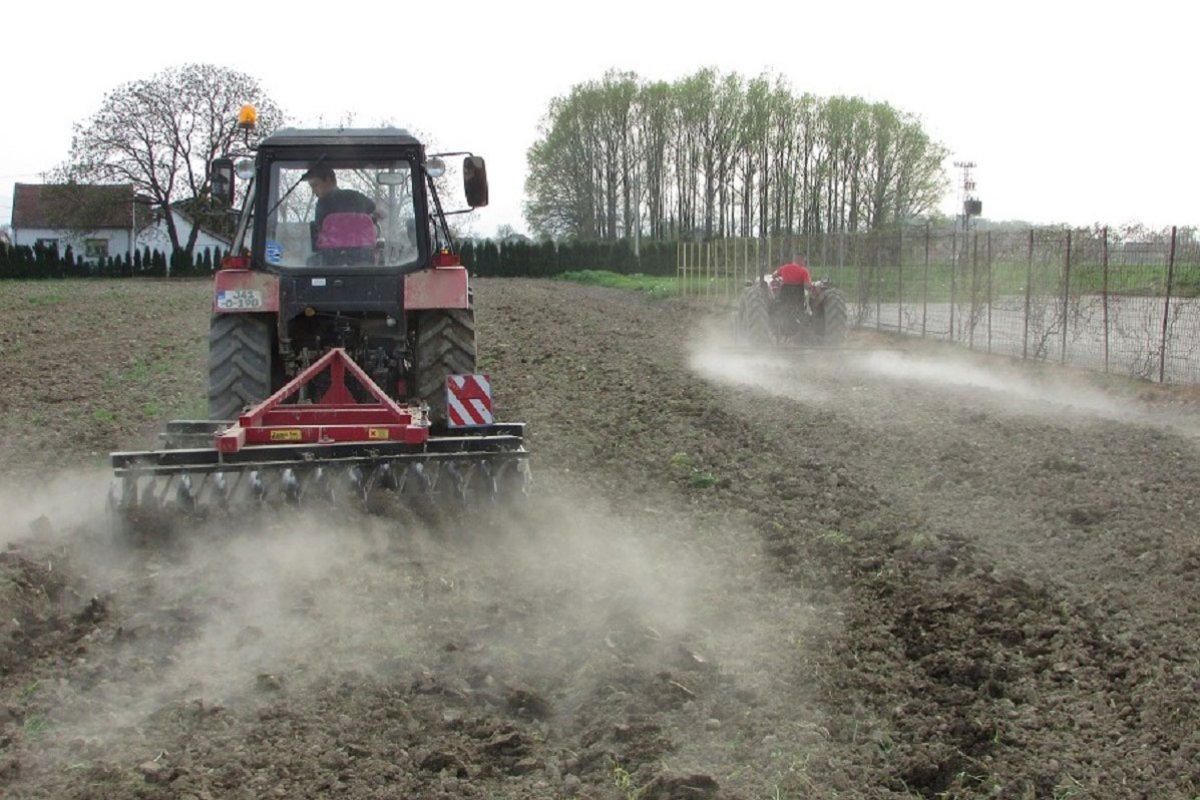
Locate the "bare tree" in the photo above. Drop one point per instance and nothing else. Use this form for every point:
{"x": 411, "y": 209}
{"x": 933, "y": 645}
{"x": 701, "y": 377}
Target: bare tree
{"x": 161, "y": 133}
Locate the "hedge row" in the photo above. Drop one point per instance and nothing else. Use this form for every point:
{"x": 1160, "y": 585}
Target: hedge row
{"x": 45, "y": 262}
{"x": 539, "y": 259}
{"x": 484, "y": 257}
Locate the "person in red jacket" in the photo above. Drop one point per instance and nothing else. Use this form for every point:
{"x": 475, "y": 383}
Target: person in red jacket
{"x": 794, "y": 273}
{"x": 790, "y": 284}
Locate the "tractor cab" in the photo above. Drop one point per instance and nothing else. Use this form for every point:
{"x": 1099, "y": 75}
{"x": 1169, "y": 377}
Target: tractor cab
{"x": 347, "y": 200}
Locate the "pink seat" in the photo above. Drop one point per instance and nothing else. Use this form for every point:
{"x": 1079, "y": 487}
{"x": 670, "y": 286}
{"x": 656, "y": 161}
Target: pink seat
{"x": 345, "y": 229}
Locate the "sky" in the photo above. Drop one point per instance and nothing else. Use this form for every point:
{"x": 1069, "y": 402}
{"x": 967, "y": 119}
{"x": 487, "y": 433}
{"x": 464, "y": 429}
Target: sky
{"x": 1074, "y": 113}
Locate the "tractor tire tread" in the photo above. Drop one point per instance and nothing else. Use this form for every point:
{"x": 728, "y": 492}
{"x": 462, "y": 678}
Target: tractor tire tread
{"x": 445, "y": 346}
{"x": 239, "y": 363}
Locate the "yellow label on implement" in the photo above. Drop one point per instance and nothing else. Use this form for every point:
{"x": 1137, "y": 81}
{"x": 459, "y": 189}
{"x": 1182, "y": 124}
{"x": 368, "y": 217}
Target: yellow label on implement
{"x": 286, "y": 435}
{"x": 378, "y": 433}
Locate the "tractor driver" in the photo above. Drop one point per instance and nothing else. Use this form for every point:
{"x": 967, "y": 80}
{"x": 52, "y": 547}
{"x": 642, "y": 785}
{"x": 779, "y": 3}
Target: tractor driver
{"x": 794, "y": 273}
{"x": 330, "y": 199}
{"x": 793, "y": 280}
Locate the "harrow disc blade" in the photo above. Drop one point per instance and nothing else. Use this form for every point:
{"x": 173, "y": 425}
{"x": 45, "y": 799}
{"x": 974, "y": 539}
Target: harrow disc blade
{"x": 185, "y": 497}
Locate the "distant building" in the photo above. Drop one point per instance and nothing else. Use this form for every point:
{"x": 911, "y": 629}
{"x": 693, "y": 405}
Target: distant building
{"x": 95, "y": 221}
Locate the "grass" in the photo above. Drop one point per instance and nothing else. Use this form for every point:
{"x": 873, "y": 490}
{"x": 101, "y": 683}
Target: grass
{"x": 623, "y": 782}
{"x": 42, "y": 300}
{"x": 833, "y": 537}
{"x": 35, "y": 726}
{"x": 696, "y": 478}
{"x": 655, "y": 286}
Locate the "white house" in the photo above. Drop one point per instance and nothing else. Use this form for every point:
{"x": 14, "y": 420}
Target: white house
{"x": 106, "y": 218}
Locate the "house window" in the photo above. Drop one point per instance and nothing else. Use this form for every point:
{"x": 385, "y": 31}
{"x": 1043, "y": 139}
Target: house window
{"x": 95, "y": 248}
{"x": 47, "y": 243}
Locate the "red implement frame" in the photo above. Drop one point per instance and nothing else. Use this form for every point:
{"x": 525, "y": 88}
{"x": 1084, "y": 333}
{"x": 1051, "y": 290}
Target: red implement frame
{"x": 337, "y": 417}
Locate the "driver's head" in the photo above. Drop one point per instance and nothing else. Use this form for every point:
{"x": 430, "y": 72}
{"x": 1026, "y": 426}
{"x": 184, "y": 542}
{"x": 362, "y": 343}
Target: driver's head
{"x": 321, "y": 179}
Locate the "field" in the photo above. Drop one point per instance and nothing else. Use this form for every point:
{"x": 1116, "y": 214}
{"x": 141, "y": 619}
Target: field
{"x": 898, "y": 571}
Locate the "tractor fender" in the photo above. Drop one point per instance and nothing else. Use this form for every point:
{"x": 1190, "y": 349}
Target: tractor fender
{"x": 440, "y": 287}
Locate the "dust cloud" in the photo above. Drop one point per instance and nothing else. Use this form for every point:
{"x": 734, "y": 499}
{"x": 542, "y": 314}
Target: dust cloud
{"x": 864, "y": 382}
{"x": 52, "y": 506}
{"x": 239, "y": 614}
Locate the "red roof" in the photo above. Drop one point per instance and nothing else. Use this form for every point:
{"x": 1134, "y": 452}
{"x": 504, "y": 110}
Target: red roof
{"x": 57, "y": 206}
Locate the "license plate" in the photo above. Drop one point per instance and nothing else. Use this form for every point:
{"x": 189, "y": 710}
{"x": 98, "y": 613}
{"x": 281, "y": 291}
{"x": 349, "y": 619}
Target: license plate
{"x": 239, "y": 299}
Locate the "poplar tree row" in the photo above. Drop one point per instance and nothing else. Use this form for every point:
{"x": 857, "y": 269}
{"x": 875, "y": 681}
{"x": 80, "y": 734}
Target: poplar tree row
{"x": 716, "y": 155}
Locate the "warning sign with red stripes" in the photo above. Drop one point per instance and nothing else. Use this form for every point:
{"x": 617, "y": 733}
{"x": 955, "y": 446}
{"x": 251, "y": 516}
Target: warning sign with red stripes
{"x": 468, "y": 401}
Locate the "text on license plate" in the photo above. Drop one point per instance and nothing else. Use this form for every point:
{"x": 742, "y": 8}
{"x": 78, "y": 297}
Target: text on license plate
{"x": 237, "y": 299}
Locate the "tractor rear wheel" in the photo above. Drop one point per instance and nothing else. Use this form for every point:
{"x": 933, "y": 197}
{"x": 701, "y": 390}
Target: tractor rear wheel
{"x": 753, "y": 317}
{"x": 445, "y": 346}
{"x": 239, "y": 363}
{"x": 833, "y": 318}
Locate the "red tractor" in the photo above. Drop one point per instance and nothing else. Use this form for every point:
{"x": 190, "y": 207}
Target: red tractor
{"x": 342, "y": 341}
{"x": 787, "y": 308}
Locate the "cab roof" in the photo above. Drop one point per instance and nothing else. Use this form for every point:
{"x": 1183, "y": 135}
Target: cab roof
{"x": 323, "y": 137}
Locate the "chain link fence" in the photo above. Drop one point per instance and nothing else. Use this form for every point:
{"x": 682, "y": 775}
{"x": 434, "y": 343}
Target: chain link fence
{"x": 1082, "y": 297}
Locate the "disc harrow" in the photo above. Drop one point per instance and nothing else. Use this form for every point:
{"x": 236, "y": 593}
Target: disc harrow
{"x": 338, "y": 453}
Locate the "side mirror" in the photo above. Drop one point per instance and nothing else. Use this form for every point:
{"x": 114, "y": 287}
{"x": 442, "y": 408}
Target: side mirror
{"x": 221, "y": 178}
{"x": 475, "y": 181}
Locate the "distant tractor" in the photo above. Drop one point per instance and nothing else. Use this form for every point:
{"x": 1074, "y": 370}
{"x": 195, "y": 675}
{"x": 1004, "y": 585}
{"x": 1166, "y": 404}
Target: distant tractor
{"x": 774, "y": 311}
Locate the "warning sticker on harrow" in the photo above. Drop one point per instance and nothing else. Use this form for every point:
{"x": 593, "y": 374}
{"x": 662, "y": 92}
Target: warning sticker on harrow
{"x": 286, "y": 435}
{"x": 378, "y": 433}
{"x": 468, "y": 401}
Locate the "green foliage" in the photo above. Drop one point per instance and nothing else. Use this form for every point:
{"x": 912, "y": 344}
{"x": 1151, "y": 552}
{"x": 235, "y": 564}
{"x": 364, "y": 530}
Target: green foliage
{"x": 508, "y": 259}
{"x": 49, "y": 299}
{"x": 34, "y": 726}
{"x": 39, "y": 262}
{"x": 684, "y": 466}
{"x": 715, "y": 155}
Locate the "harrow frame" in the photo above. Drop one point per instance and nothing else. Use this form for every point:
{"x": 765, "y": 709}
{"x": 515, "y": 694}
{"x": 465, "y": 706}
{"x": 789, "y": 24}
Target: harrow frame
{"x": 371, "y": 443}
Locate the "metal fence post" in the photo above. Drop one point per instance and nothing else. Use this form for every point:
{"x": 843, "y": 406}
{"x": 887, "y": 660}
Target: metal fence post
{"x": 953, "y": 278}
{"x": 1104, "y": 294}
{"x": 925, "y": 286}
{"x": 989, "y": 291}
{"x": 1028, "y": 296}
{"x": 679, "y": 266}
{"x": 899, "y": 280}
{"x": 708, "y": 270}
{"x": 1066, "y": 298}
{"x": 975, "y": 290}
{"x": 877, "y": 270}
{"x": 1162, "y": 349}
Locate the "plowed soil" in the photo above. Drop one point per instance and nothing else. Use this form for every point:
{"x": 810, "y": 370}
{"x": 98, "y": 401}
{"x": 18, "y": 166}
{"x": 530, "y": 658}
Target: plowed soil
{"x": 894, "y": 571}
